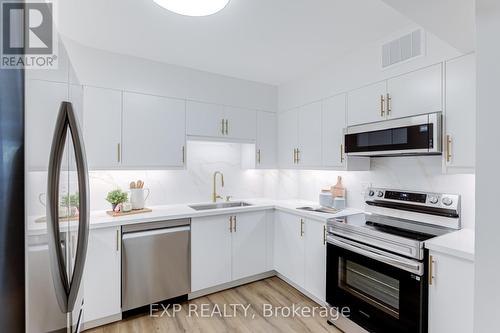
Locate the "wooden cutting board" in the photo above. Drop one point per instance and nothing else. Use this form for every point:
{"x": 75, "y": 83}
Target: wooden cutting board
{"x": 132, "y": 212}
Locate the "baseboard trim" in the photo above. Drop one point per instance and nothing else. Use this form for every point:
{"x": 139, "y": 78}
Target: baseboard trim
{"x": 101, "y": 321}
{"x": 232, "y": 284}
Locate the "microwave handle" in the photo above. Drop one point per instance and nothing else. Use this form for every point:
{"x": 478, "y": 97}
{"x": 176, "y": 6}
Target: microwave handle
{"x": 407, "y": 265}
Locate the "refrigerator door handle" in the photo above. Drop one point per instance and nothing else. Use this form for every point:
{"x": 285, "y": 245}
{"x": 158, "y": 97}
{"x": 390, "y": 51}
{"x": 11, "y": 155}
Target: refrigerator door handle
{"x": 67, "y": 288}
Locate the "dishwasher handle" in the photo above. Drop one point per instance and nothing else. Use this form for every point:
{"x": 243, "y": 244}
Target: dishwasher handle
{"x": 147, "y": 233}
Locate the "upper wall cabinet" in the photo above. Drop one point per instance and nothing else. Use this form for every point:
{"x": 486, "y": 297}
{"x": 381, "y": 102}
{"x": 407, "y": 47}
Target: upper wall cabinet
{"x": 367, "y": 104}
{"x": 266, "y": 148}
{"x": 216, "y": 121}
{"x": 334, "y": 119}
{"x": 309, "y": 135}
{"x": 102, "y": 127}
{"x": 418, "y": 92}
{"x": 205, "y": 120}
{"x": 287, "y": 139}
{"x": 415, "y": 93}
{"x": 460, "y": 114}
{"x": 43, "y": 99}
{"x": 154, "y": 131}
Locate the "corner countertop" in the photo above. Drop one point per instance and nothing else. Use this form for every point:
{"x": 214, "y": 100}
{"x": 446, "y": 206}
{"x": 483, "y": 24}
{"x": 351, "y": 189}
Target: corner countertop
{"x": 99, "y": 219}
{"x": 457, "y": 243}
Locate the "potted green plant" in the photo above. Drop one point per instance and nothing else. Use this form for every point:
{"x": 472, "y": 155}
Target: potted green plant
{"x": 70, "y": 204}
{"x": 116, "y": 197}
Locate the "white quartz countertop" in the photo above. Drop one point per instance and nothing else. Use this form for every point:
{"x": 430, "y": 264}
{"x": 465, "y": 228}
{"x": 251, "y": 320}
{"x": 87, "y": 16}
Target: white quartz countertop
{"x": 99, "y": 219}
{"x": 458, "y": 243}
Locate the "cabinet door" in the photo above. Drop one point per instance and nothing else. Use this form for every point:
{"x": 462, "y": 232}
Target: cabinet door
{"x": 366, "y": 105}
{"x": 289, "y": 247}
{"x": 461, "y": 113}
{"x": 241, "y": 123}
{"x": 249, "y": 244}
{"x": 309, "y": 135}
{"x": 210, "y": 251}
{"x": 102, "y": 127}
{"x": 315, "y": 252}
{"x": 203, "y": 119}
{"x": 43, "y": 99}
{"x": 102, "y": 279}
{"x": 416, "y": 93}
{"x": 153, "y": 131}
{"x": 287, "y": 138}
{"x": 451, "y": 295}
{"x": 266, "y": 140}
{"x": 333, "y": 124}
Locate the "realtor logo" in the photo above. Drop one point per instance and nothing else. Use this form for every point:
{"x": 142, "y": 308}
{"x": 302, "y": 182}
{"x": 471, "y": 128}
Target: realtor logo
{"x": 28, "y": 37}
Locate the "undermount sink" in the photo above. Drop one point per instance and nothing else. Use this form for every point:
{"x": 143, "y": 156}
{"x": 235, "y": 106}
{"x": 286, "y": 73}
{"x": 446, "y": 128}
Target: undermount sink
{"x": 220, "y": 205}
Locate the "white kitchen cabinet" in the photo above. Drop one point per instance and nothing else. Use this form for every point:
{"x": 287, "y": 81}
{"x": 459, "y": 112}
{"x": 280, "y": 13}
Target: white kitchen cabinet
{"x": 287, "y": 138}
{"x": 102, "y": 276}
{"x": 460, "y": 114}
{"x": 315, "y": 255}
{"x": 451, "y": 294}
{"x": 226, "y": 248}
{"x": 309, "y": 135}
{"x": 249, "y": 244}
{"x": 289, "y": 245}
{"x": 102, "y": 127}
{"x": 241, "y": 124}
{"x": 332, "y": 128}
{"x": 43, "y": 99}
{"x": 204, "y": 120}
{"x": 266, "y": 146}
{"x": 415, "y": 93}
{"x": 154, "y": 131}
{"x": 367, "y": 104}
{"x": 210, "y": 251}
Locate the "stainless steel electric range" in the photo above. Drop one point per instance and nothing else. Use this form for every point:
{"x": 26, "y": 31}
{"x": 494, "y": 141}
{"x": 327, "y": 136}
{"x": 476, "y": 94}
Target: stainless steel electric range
{"x": 376, "y": 262}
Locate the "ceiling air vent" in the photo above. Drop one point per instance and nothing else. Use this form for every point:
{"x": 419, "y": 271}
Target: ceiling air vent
{"x": 402, "y": 49}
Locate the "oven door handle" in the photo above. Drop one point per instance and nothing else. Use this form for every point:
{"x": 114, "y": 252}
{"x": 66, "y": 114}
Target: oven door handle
{"x": 401, "y": 263}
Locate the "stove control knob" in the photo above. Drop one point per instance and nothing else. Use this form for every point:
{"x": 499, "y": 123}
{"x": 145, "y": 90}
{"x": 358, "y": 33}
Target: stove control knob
{"x": 433, "y": 200}
{"x": 371, "y": 193}
{"x": 380, "y": 194}
{"x": 447, "y": 201}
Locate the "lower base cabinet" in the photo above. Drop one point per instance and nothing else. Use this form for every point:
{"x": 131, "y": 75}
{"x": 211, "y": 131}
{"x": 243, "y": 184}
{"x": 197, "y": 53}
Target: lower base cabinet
{"x": 102, "y": 277}
{"x": 226, "y": 248}
{"x": 451, "y": 294}
{"x": 300, "y": 252}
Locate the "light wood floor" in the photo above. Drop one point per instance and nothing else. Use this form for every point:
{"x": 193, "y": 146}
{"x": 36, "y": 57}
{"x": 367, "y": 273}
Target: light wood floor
{"x": 272, "y": 291}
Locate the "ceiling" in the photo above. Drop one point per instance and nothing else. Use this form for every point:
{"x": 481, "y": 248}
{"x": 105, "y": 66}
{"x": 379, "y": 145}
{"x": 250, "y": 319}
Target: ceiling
{"x": 269, "y": 41}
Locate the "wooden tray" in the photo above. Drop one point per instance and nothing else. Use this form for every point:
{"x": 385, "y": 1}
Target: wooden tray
{"x": 132, "y": 212}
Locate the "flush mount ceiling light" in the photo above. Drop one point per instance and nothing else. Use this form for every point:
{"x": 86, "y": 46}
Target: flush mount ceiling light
{"x": 193, "y": 7}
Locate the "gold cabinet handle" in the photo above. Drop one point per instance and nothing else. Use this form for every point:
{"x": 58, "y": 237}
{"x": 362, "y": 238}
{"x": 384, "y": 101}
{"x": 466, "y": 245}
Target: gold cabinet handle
{"x": 382, "y": 101}
{"x": 222, "y": 128}
{"x": 227, "y": 127}
{"x": 298, "y": 156}
{"x": 431, "y": 263}
{"x": 294, "y": 155}
{"x": 341, "y": 153}
{"x": 389, "y": 106}
{"x": 258, "y": 156}
{"x": 118, "y": 152}
{"x": 230, "y": 224}
{"x": 301, "y": 227}
{"x": 448, "y": 148}
{"x": 183, "y": 154}
{"x": 234, "y": 220}
{"x": 117, "y": 240}
{"x": 324, "y": 235}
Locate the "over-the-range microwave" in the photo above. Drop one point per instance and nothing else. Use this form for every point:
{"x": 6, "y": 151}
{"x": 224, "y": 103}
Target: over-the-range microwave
{"x": 416, "y": 135}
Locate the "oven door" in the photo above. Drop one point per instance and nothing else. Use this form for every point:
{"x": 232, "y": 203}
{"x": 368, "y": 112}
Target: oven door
{"x": 384, "y": 292}
{"x": 411, "y": 135}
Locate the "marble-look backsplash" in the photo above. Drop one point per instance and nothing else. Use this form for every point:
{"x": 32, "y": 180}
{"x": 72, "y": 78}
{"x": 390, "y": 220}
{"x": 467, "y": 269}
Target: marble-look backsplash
{"x": 410, "y": 173}
{"x": 203, "y": 158}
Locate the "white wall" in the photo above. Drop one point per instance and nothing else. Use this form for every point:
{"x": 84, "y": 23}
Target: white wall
{"x": 487, "y": 254}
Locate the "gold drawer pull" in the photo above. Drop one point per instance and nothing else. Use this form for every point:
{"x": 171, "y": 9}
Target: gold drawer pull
{"x": 448, "y": 148}
{"x": 382, "y": 101}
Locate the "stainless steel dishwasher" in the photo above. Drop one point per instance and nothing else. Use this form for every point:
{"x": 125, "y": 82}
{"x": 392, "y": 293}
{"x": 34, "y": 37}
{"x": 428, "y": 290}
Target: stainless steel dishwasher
{"x": 155, "y": 262}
